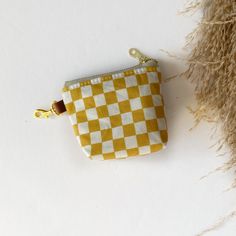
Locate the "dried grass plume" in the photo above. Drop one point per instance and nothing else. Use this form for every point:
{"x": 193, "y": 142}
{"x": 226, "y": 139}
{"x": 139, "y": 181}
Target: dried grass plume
{"x": 212, "y": 67}
{"x": 212, "y": 70}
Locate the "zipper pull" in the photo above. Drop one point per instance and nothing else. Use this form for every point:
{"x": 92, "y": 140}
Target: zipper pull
{"x": 140, "y": 56}
{"x": 41, "y": 113}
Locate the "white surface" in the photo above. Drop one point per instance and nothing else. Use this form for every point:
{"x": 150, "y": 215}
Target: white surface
{"x": 47, "y": 186}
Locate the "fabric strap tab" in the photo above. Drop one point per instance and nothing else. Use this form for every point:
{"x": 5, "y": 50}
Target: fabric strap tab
{"x": 59, "y": 107}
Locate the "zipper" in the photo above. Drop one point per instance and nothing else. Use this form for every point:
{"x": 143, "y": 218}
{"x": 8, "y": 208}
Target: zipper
{"x": 58, "y": 108}
{"x": 133, "y": 52}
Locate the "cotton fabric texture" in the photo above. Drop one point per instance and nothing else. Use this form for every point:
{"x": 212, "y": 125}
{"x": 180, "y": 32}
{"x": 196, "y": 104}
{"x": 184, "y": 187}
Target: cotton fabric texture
{"x": 118, "y": 115}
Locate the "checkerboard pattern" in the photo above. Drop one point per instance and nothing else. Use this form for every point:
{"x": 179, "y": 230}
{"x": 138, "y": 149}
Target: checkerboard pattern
{"x": 118, "y": 115}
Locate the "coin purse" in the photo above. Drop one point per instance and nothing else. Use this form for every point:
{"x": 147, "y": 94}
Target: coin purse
{"x": 117, "y": 114}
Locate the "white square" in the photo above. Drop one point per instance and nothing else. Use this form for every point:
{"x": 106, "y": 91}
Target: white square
{"x": 144, "y": 90}
{"x": 96, "y": 80}
{"x": 140, "y": 127}
{"x": 83, "y": 128}
{"x": 157, "y": 100}
{"x": 73, "y": 119}
{"x": 122, "y": 95}
{"x": 144, "y": 150}
{"x": 74, "y": 86}
{"x": 86, "y": 91}
{"x": 99, "y": 100}
{"x": 108, "y": 86}
{"x": 131, "y": 142}
{"x": 118, "y": 75}
{"x": 117, "y": 132}
{"x": 149, "y": 113}
{"x": 154, "y": 137}
{"x": 87, "y": 150}
{"x": 113, "y": 109}
{"x": 79, "y": 105}
{"x": 105, "y": 123}
{"x": 130, "y": 81}
{"x": 152, "y": 77}
{"x": 161, "y": 124}
{"x": 121, "y": 154}
{"x": 78, "y": 139}
{"x": 107, "y": 147}
{"x": 67, "y": 97}
{"x": 91, "y": 114}
{"x": 140, "y": 70}
{"x": 96, "y": 137}
{"x": 97, "y": 157}
{"x": 127, "y": 118}
{"x": 135, "y": 104}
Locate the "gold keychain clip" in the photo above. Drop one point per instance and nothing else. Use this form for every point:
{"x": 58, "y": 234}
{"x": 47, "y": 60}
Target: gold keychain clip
{"x": 45, "y": 114}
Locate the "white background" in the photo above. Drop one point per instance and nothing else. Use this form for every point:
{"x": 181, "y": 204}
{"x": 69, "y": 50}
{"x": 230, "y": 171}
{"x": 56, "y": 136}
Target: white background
{"x": 47, "y": 186}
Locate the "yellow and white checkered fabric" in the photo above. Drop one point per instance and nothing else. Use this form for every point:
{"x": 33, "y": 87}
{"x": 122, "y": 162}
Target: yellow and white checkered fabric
{"x": 118, "y": 115}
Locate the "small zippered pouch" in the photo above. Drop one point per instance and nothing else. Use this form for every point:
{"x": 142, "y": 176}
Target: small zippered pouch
{"x": 117, "y": 114}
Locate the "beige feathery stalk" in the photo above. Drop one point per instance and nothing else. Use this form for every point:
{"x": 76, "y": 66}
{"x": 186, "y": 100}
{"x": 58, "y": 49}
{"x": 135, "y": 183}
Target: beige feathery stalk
{"x": 212, "y": 68}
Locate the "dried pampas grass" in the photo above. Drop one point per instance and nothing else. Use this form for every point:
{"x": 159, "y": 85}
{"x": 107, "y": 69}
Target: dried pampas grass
{"x": 212, "y": 68}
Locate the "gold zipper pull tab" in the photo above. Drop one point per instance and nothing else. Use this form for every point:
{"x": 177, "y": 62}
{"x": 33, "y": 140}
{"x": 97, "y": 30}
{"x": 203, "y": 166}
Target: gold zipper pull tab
{"x": 140, "y": 56}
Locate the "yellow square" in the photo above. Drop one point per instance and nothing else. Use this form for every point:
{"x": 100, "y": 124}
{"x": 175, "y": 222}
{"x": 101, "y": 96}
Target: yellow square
{"x": 109, "y": 156}
{"x": 76, "y": 94}
{"x": 132, "y": 152}
{"x": 159, "y": 76}
{"x": 115, "y": 121}
{"x": 119, "y": 144}
{"x": 151, "y": 68}
{"x": 102, "y": 111}
{"x": 133, "y": 92}
{"x": 70, "y": 107}
{"x": 159, "y": 111}
{"x": 151, "y": 125}
{"x": 129, "y": 72}
{"x": 119, "y": 83}
{"x": 147, "y": 101}
{"x": 155, "y": 88}
{"x": 93, "y": 125}
{"x": 106, "y": 135}
{"x": 97, "y": 89}
{"x": 164, "y": 136}
{"x": 156, "y": 147}
{"x": 76, "y": 131}
{"x": 138, "y": 115}
{"x": 81, "y": 116}
{"x": 129, "y": 130}
{"x": 124, "y": 106}
{"x": 110, "y": 97}
{"x": 142, "y": 79}
{"x": 85, "y": 139}
{"x": 106, "y": 77}
{"x": 143, "y": 140}
{"x": 96, "y": 149}
{"x": 89, "y": 102}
